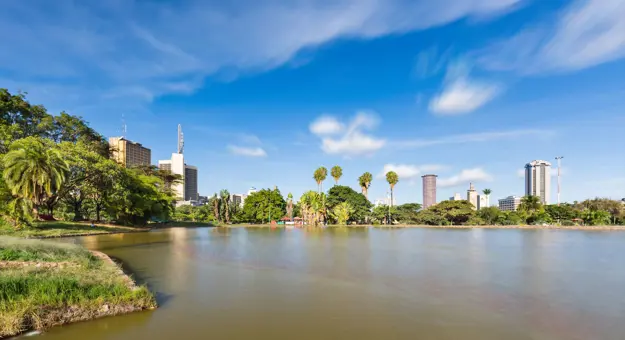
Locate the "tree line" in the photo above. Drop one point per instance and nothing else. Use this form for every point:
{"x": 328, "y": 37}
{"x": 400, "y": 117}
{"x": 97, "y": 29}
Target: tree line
{"x": 57, "y": 167}
{"x": 343, "y": 205}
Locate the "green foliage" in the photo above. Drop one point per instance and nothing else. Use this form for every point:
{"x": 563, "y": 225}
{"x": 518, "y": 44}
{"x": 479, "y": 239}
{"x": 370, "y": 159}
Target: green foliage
{"x": 34, "y": 170}
{"x": 319, "y": 176}
{"x": 490, "y": 215}
{"x": 408, "y": 213}
{"x": 365, "y": 183}
{"x": 510, "y": 218}
{"x": 342, "y": 212}
{"x": 313, "y": 207}
{"x": 380, "y": 214}
{"x": 262, "y": 205}
{"x": 429, "y": 217}
{"x": 359, "y": 203}
{"x": 49, "y": 161}
{"x": 336, "y": 173}
{"x": 455, "y": 212}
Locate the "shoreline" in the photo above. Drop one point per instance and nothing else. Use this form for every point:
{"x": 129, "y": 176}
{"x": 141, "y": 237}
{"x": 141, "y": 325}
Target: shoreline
{"x": 407, "y": 226}
{"x": 38, "y": 317}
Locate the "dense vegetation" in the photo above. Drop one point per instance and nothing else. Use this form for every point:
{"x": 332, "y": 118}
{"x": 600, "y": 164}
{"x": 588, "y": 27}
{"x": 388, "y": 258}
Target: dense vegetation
{"x": 56, "y": 166}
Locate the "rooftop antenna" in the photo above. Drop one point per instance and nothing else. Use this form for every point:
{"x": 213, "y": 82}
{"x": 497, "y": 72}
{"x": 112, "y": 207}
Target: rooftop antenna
{"x": 123, "y": 126}
{"x": 180, "y": 139}
{"x": 559, "y": 159}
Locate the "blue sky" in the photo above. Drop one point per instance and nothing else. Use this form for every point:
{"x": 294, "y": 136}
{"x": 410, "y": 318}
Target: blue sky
{"x": 267, "y": 91}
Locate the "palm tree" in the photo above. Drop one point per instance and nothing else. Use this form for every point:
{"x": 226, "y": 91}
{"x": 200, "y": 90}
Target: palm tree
{"x": 289, "y": 206}
{"x": 225, "y": 201}
{"x": 530, "y": 204}
{"x": 392, "y": 179}
{"x": 342, "y": 212}
{"x": 34, "y": 170}
{"x": 216, "y": 206}
{"x": 320, "y": 175}
{"x": 487, "y": 194}
{"x": 365, "y": 183}
{"x": 336, "y": 173}
{"x": 313, "y": 207}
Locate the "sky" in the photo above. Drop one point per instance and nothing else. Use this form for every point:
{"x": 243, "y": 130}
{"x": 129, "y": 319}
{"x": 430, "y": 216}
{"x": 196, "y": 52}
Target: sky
{"x": 267, "y": 91}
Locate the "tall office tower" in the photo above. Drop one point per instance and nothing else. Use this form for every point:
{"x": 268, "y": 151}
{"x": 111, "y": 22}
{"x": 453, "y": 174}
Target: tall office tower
{"x": 190, "y": 183}
{"x": 429, "y": 190}
{"x": 128, "y": 153}
{"x": 186, "y": 190}
{"x": 538, "y": 180}
{"x": 472, "y": 196}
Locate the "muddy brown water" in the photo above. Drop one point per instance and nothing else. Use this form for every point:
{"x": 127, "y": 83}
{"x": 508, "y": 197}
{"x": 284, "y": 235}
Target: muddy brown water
{"x": 367, "y": 283}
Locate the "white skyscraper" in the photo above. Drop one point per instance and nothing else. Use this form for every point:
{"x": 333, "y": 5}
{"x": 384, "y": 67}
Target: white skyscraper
{"x": 186, "y": 190}
{"x": 538, "y": 180}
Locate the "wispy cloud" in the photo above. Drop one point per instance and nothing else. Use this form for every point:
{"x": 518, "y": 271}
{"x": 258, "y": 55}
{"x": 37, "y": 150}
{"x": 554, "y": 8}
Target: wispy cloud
{"x": 247, "y": 151}
{"x": 586, "y": 33}
{"x": 461, "y": 94}
{"x": 348, "y": 139}
{"x": 464, "y": 177}
{"x": 470, "y": 138}
{"x": 159, "y": 48}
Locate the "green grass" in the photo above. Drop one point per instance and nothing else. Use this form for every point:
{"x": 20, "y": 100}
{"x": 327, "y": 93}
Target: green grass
{"x": 61, "y": 228}
{"x": 39, "y": 297}
{"x": 182, "y": 224}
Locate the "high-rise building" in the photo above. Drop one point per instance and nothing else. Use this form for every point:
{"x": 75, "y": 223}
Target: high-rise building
{"x": 186, "y": 190}
{"x": 472, "y": 196}
{"x": 128, "y": 153}
{"x": 510, "y": 203}
{"x": 429, "y": 190}
{"x": 482, "y": 202}
{"x": 190, "y": 183}
{"x": 538, "y": 180}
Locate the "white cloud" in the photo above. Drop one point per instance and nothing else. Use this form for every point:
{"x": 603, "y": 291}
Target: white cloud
{"x": 247, "y": 151}
{"x": 462, "y": 94}
{"x": 326, "y": 125}
{"x": 159, "y": 48}
{"x": 407, "y": 171}
{"x": 585, "y": 34}
{"x": 471, "y": 137}
{"x": 353, "y": 140}
{"x": 464, "y": 177}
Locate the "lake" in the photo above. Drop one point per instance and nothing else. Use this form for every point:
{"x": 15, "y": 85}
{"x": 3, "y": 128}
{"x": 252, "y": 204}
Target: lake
{"x": 368, "y": 283}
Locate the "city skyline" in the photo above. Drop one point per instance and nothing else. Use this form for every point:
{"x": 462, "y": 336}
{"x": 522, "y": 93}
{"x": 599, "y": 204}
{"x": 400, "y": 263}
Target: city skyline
{"x": 467, "y": 90}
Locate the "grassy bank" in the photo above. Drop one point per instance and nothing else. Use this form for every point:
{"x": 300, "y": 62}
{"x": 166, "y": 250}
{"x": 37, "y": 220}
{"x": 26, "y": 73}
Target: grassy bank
{"x": 535, "y": 227}
{"x": 62, "y": 228}
{"x": 44, "y": 284}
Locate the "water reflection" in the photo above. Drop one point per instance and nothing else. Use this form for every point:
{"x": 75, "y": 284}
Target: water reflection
{"x": 368, "y": 283}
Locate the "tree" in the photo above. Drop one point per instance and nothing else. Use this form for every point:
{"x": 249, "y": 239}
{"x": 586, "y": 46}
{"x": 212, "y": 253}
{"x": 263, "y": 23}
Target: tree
{"x": 383, "y": 213}
{"x": 490, "y": 215}
{"x": 365, "y": 183}
{"x": 530, "y": 204}
{"x": 336, "y": 173}
{"x": 342, "y": 212}
{"x": 319, "y": 176}
{"x": 359, "y": 203}
{"x": 455, "y": 212}
{"x": 313, "y": 207}
{"x": 262, "y": 205}
{"x": 34, "y": 170}
{"x": 408, "y": 213}
{"x": 595, "y": 217}
{"x": 392, "y": 179}
{"x": 429, "y": 217}
{"x": 215, "y": 202}
{"x": 225, "y": 202}
{"x": 510, "y": 218}
{"x": 562, "y": 212}
{"x": 289, "y": 206}
{"x": 487, "y": 193}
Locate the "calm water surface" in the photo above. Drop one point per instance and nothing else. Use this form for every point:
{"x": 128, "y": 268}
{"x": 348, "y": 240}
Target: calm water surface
{"x": 368, "y": 284}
